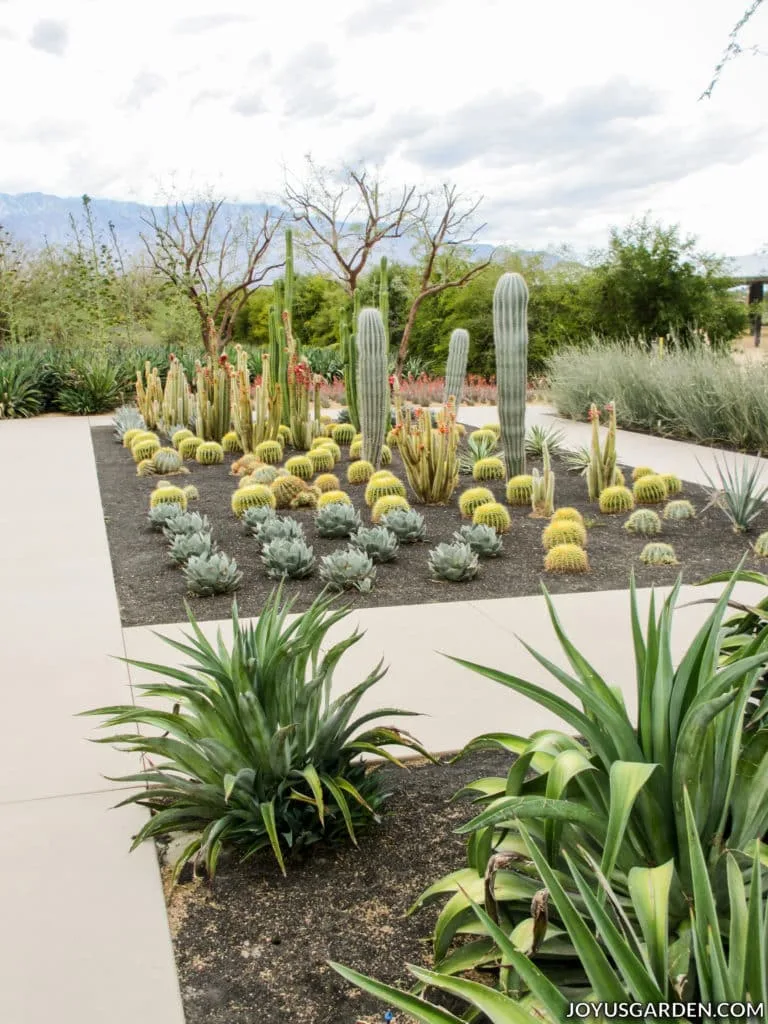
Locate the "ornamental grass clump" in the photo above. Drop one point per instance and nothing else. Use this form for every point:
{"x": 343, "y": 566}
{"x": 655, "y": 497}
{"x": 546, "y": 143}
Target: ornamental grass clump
{"x": 408, "y": 525}
{"x": 429, "y": 456}
{"x": 222, "y": 770}
{"x": 476, "y": 450}
{"x": 454, "y": 563}
{"x": 483, "y": 540}
{"x": 537, "y": 437}
{"x": 656, "y": 804}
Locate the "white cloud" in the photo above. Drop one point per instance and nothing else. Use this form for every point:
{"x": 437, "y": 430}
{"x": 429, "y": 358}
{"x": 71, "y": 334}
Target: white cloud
{"x": 568, "y": 117}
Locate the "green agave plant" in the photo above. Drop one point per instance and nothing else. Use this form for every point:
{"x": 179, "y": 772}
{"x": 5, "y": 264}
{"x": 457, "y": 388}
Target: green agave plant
{"x": 643, "y": 962}
{"x": 256, "y": 754}
{"x": 615, "y": 796}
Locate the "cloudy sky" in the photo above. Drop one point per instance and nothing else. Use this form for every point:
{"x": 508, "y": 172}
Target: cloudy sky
{"x": 567, "y": 116}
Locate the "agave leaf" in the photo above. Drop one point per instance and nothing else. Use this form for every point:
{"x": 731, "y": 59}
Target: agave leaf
{"x": 497, "y": 1007}
{"x": 511, "y": 808}
{"x": 566, "y": 767}
{"x": 649, "y": 889}
{"x": 626, "y": 781}
{"x": 417, "y": 1008}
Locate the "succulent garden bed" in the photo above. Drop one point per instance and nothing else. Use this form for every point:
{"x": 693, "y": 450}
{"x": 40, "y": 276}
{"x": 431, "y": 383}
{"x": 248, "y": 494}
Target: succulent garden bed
{"x": 151, "y": 589}
{"x": 255, "y": 939}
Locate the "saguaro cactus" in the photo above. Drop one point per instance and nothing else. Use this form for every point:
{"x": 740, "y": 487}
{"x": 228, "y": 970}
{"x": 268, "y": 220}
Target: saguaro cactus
{"x": 372, "y": 382}
{"x": 456, "y": 367}
{"x": 510, "y": 335}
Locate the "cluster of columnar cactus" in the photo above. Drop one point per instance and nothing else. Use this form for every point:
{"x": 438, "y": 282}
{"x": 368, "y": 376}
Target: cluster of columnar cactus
{"x": 601, "y": 471}
{"x": 510, "y": 335}
{"x": 429, "y": 454}
{"x": 543, "y": 489}
{"x": 177, "y": 395}
{"x": 213, "y": 414}
{"x": 149, "y": 395}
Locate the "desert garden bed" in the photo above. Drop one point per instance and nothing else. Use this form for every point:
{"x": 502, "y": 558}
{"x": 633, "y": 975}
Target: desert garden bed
{"x": 254, "y": 945}
{"x": 151, "y": 588}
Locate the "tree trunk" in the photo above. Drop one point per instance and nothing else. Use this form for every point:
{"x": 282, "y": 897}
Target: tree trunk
{"x": 756, "y": 292}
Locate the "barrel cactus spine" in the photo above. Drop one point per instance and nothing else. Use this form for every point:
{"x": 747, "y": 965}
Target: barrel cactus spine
{"x": 510, "y": 335}
{"x": 456, "y": 365}
{"x": 372, "y": 383}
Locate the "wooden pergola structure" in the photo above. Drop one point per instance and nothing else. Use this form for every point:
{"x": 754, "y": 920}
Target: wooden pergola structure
{"x": 756, "y": 285}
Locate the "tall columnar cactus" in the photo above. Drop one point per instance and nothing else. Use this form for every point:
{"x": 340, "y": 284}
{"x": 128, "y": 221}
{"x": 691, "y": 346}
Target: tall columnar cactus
{"x": 177, "y": 395}
{"x": 348, "y": 348}
{"x": 456, "y": 367}
{"x": 213, "y": 413}
{"x": 149, "y": 395}
{"x": 510, "y": 335}
{"x": 282, "y": 304}
{"x": 543, "y": 489}
{"x": 304, "y": 425}
{"x": 384, "y": 296}
{"x": 601, "y": 472}
{"x": 372, "y": 383}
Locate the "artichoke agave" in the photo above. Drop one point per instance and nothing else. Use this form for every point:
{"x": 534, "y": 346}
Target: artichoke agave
{"x": 348, "y": 569}
{"x": 288, "y": 556}
{"x": 455, "y": 562}
{"x": 377, "y": 541}
{"x": 337, "y": 520}
{"x": 483, "y": 540}
{"x": 211, "y": 574}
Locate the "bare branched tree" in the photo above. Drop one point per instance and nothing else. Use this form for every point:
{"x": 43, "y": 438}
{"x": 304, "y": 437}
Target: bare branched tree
{"x": 442, "y": 227}
{"x": 734, "y": 48}
{"x": 346, "y": 216}
{"x": 213, "y": 259}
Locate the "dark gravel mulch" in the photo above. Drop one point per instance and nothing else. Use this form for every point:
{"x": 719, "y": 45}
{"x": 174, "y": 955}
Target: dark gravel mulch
{"x": 254, "y": 945}
{"x": 151, "y": 588}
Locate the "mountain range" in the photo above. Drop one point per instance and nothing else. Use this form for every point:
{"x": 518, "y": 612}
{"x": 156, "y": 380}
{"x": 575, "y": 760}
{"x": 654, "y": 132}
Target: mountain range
{"x": 36, "y": 219}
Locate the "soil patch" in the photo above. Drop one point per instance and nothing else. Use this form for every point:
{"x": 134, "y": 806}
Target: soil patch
{"x": 151, "y": 588}
{"x": 254, "y": 945}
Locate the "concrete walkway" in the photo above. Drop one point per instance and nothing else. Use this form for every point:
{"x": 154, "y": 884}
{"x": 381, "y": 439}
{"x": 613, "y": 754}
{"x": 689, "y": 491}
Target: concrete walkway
{"x": 86, "y": 937}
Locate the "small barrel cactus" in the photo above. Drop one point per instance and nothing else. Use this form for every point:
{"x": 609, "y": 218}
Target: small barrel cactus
{"x": 472, "y": 498}
{"x": 187, "y": 545}
{"x": 146, "y": 468}
{"x": 167, "y": 460}
{"x": 322, "y": 460}
{"x": 455, "y": 563}
{"x": 483, "y": 434}
{"x": 392, "y": 437}
{"x": 488, "y": 469}
{"x": 174, "y": 495}
{"x": 306, "y": 499}
{"x": 356, "y": 450}
{"x": 327, "y": 482}
{"x": 231, "y": 442}
{"x": 161, "y": 514}
{"x": 188, "y": 446}
{"x": 317, "y": 442}
{"x": 288, "y": 556}
{"x": 676, "y": 511}
{"x": 255, "y": 515}
{"x": 383, "y": 474}
{"x": 359, "y": 472}
{"x": 760, "y": 547}
{"x": 566, "y": 558}
{"x": 269, "y": 451}
{"x": 379, "y": 543}
{"x": 247, "y": 497}
{"x": 191, "y": 492}
{"x": 180, "y": 435}
{"x": 332, "y": 447}
{"x": 639, "y": 471}
{"x": 348, "y": 569}
{"x": 264, "y": 475}
{"x": 571, "y": 514}
{"x": 381, "y": 488}
{"x": 650, "y": 490}
{"x": 245, "y": 465}
{"x": 386, "y": 455}
{"x": 656, "y": 553}
{"x": 563, "y": 531}
{"x": 616, "y": 499}
{"x": 284, "y": 435}
{"x": 492, "y": 514}
{"x": 519, "y": 490}
{"x": 272, "y": 527}
{"x": 144, "y": 435}
{"x": 130, "y": 436}
{"x": 144, "y": 449}
{"x": 407, "y": 524}
{"x": 216, "y": 573}
{"x": 618, "y": 478}
{"x": 285, "y": 489}
{"x": 343, "y": 434}
{"x": 300, "y": 466}
{"x": 388, "y": 503}
{"x": 209, "y": 453}
{"x": 483, "y": 540}
{"x": 644, "y": 521}
{"x": 333, "y": 498}
{"x": 673, "y": 483}
{"x": 337, "y": 520}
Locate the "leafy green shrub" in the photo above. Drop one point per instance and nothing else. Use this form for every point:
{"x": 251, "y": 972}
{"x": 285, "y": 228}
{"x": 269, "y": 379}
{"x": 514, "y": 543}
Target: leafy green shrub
{"x": 222, "y": 771}
{"x": 350, "y": 569}
{"x": 215, "y": 573}
{"x": 614, "y": 798}
{"x": 288, "y": 556}
{"x": 454, "y": 563}
{"x": 483, "y": 540}
{"x": 20, "y": 394}
{"x": 92, "y": 386}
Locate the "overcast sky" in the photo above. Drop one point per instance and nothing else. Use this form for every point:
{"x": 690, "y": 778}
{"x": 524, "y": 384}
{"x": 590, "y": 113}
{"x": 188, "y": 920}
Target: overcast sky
{"x": 567, "y": 115}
